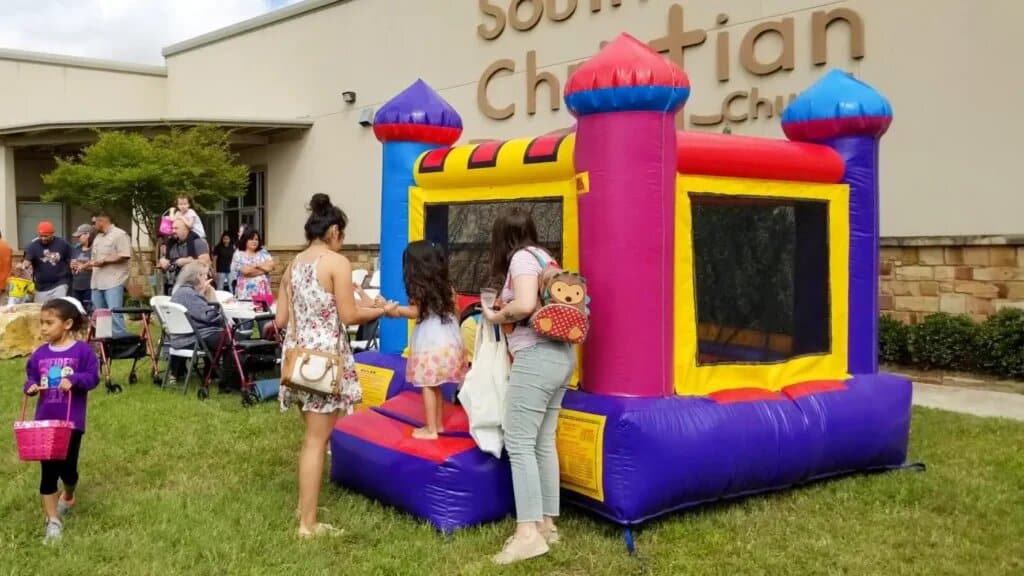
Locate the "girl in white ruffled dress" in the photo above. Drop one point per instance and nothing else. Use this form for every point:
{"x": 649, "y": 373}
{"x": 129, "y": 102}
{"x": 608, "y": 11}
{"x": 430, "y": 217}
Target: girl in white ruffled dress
{"x": 436, "y": 351}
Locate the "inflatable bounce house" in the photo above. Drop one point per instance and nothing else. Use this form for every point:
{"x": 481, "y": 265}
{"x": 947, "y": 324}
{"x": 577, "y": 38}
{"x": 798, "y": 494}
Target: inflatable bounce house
{"x": 734, "y": 281}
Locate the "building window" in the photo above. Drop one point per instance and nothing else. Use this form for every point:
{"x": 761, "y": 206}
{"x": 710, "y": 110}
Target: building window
{"x": 246, "y": 210}
{"x": 30, "y": 214}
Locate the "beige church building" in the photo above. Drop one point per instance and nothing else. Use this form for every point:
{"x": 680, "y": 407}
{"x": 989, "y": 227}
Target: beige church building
{"x": 298, "y": 87}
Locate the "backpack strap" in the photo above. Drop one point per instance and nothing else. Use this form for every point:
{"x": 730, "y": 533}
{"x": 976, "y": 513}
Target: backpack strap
{"x": 537, "y": 254}
{"x": 190, "y": 245}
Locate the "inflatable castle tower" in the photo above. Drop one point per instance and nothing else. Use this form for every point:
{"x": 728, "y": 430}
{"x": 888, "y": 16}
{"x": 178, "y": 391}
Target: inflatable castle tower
{"x": 734, "y": 283}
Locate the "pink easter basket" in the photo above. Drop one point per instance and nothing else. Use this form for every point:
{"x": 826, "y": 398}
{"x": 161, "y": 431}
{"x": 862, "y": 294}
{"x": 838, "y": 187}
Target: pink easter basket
{"x": 166, "y": 223}
{"x": 42, "y": 439}
{"x": 264, "y": 301}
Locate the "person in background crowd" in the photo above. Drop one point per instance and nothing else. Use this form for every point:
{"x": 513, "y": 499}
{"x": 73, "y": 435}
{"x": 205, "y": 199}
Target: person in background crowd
{"x": 20, "y": 287}
{"x": 81, "y": 254}
{"x": 252, "y": 265}
{"x": 6, "y": 262}
{"x": 183, "y": 247}
{"x": 194, "y": 290}
{"x": 111, "y": 264}
{"x": 50, "y": 258}
{"x": 183, "y": 209}
{"x": 223, "y": 254}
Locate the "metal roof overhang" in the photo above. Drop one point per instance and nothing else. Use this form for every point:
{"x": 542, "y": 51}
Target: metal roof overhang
{"x": 245, "y": 132}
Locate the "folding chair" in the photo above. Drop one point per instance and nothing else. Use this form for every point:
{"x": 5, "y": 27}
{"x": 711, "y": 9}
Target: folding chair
{"x": 367, "y": 337}
{"x": 154, "y": 304}
{"x": 359, "y": 276}
{"x": 177, "y": 324}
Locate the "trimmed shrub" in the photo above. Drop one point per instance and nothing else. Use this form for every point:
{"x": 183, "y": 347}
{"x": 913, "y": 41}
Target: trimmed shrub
{"x": 893, "y": 341}
{"x": 1000, "y": 345}
{"x": 944, "y": 341}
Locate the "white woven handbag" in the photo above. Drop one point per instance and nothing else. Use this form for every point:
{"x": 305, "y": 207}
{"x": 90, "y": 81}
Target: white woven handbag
{"x": 312, "y": 371}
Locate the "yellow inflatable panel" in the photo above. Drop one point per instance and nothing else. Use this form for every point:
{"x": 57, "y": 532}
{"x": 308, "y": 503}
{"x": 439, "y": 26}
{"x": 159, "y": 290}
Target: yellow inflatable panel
{"x": 692, "y": 378}
{"x": 522, "y": 161}
{"x": 565, "y": 189}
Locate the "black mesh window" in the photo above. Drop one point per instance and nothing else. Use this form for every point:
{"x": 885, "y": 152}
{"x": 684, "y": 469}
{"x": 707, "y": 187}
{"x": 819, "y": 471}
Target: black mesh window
{"x": 464, "y": 229}
{"x": 761, "y": 278}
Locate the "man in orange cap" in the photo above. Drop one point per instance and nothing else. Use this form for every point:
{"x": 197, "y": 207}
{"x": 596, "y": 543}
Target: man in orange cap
{"x": 50, "y": 257}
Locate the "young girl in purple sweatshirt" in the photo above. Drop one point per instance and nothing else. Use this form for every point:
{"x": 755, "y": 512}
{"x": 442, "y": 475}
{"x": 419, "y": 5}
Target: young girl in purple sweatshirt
{"x": 62, "y": 370}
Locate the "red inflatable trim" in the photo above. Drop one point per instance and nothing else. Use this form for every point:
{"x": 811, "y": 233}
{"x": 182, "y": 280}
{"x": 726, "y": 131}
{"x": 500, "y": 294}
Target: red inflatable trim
{"x": 825, "y": 128}
{"x": 744, "y": 395}
{"x": 626, "y": 61}
{"x": 441, "y": 135}
{"x": 702, "y": 153}
{"x": 394, "y": 435}
{"x": 410, "y": 405}
{"x": 795, "y": 391}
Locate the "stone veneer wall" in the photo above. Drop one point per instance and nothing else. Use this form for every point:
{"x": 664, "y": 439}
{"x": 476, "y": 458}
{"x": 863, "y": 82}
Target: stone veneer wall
{"x": 976, "y": 276}
{"x": 362, "y": 257}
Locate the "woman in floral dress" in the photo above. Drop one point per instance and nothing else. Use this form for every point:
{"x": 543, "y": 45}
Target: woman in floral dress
{"x": 315, "y": 303}
{"x": 252, "y": 265}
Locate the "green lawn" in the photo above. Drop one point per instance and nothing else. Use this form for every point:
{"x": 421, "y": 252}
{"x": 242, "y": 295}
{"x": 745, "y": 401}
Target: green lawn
{"x": 171, "y": 485}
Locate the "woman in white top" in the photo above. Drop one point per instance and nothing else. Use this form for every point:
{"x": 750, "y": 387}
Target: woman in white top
{"x": 185, "y": 211}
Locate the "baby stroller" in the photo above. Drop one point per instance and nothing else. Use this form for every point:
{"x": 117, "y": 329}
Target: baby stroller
{"x": 132, "y": 347}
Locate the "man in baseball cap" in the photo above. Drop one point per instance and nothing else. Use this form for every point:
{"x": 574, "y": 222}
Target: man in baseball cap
{"x": 50, "y": 257}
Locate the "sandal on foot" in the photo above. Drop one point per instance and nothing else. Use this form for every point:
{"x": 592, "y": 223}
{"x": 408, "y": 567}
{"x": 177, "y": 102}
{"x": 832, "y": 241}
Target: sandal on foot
{"x": 320, "y": 530}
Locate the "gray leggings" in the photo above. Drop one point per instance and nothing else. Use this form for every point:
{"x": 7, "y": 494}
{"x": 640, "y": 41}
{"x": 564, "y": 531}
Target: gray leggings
{"x": 536, "y": 386}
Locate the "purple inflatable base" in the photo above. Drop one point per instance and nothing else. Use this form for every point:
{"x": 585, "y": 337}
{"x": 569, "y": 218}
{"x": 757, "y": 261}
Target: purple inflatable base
{"x": 666, "y": 454}
{"x": 660, "y": 455}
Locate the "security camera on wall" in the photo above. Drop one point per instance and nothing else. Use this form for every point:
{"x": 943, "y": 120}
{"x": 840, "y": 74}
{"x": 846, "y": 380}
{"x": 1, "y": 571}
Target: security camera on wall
{"x": 366, "y": 117}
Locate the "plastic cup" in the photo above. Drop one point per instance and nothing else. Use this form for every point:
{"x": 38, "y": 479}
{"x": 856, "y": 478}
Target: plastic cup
{"x": 487, "y": 297}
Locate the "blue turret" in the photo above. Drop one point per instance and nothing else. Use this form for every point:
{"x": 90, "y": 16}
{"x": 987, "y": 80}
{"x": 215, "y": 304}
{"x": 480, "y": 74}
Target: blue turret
{"x": 849, "y": 116}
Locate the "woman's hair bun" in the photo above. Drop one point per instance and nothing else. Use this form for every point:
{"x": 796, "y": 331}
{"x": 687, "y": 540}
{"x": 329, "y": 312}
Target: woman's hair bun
{"x": 320, "y": 203}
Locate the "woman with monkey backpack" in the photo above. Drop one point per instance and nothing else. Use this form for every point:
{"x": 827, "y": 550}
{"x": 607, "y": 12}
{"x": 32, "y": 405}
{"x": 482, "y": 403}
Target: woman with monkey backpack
{"x": 541, "y": 345}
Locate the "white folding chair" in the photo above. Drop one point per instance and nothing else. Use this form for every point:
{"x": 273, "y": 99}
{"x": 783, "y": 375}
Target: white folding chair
{"x": 154, "y": 303}
{"x": 157, "y": 301}
{"x": 176, "y": 323}
{"x": 359, "y": 276}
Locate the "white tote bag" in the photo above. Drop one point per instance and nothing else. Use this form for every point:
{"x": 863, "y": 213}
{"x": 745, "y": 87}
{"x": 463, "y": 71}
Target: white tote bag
{"x": 483, "y": 392}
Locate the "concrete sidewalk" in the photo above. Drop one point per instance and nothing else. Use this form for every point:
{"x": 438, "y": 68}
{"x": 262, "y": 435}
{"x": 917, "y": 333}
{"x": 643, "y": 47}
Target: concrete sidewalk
{"x": 968, "y": 401}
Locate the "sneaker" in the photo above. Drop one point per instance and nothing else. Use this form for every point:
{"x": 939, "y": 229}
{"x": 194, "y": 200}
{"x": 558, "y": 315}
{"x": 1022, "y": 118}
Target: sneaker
{"x": 54, "y": 531}
{"x": 551, "y": 536}
{"x": 64, "y": 507}
{"x": 517, "y": 549}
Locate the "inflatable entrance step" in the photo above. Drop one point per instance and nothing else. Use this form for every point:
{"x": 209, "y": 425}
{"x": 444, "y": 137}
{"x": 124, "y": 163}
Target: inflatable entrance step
{"x": 449, "y": 482}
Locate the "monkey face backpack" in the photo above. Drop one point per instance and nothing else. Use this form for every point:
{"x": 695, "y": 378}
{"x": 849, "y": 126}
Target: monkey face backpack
{"x": 564, "y": 314}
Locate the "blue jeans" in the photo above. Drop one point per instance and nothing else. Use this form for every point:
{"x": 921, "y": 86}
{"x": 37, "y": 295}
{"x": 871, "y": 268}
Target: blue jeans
{"x": 108, "y": 300}
{"x": 536, "y": 386}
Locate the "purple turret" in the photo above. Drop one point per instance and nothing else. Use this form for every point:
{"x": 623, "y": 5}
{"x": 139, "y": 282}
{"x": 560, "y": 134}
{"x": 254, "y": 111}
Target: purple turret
{"x": 411, "y": 123}
{"x": 849, "y": 116}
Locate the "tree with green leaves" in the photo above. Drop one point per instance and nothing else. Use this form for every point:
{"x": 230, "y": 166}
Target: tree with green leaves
{"x": 129, "y": 171}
